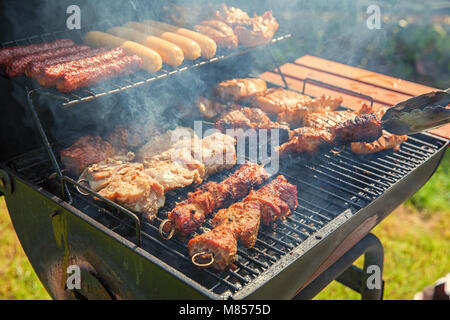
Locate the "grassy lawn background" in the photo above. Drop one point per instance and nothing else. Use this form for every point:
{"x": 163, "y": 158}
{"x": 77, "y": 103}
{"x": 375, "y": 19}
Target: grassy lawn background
{"x": 416, "y": 243}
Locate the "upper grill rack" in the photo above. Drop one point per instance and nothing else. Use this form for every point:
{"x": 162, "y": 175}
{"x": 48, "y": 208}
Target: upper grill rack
{"x": 118, "y": 84}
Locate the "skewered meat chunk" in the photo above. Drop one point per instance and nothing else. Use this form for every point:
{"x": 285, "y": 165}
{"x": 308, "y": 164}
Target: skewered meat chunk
{"x": 260, "y": 30}
{"x": 87, "y": 76}
{"x": 132, "y": 188}
{"x": 17, "y": 66}
{"x": 9, "y": 53}
{"x": 36, "y": 68}
{"x": 386, "y": 141}
{"x": 86, "y": 151}
{"x": 220, "y": 32}
{"x": 189, "y": 214}
{"x": 240, "y": 89}
{"x": 51, "y": 74}
{"x": 220, "y": 242}
{"x": 241, "y": 221}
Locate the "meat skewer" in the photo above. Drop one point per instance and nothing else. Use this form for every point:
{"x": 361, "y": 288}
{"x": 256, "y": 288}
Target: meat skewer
{"x": 51, "y": 74}
{"x": 241, "y": 221}
{"x": 190, "y": 214}
{"x": 11, "y": 52}
{"x": 87, "y": 76}
{"x": 17, "y": 66}
{"x": 35, "y": 68}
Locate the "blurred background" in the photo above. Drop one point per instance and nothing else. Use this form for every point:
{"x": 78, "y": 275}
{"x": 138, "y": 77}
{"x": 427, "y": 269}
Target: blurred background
{"x": 412, "y": 42}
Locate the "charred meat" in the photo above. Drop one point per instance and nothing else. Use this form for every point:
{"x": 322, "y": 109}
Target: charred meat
{"x": 240, "y": 89}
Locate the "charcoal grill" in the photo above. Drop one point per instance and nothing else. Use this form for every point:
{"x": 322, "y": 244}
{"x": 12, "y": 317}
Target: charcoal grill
{"x": 342, "y": 196}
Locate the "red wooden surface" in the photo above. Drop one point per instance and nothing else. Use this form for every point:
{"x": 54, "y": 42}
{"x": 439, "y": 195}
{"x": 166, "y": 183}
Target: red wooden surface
{"x": 385, "y": 90}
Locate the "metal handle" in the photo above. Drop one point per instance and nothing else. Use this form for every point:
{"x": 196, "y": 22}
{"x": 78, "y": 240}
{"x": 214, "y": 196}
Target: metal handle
{"x": 135, "y": 218}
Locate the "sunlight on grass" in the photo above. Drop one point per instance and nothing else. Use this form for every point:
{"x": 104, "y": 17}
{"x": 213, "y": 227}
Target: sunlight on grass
{"x": 17, "y": 278}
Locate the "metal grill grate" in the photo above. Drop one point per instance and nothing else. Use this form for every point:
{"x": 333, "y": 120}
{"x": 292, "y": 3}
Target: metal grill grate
{"x": 328, "y": 184}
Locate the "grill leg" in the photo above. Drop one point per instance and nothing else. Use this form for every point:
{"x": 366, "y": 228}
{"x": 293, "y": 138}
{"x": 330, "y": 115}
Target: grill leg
{"x": 368, "y": 281}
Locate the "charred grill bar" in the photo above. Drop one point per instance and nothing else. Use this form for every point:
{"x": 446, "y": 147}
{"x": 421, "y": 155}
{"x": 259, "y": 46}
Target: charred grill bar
{"x": 339, "y": 192}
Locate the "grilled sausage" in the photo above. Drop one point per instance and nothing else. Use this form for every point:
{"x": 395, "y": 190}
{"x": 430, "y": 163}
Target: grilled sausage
{"x": 34, "y": 69}
{"x": 17, "y": 66}
{"x": 151, "y": 60}
{"x": 51, "y": 74}
{"x": 208, "y": 45}
{"x": 170, "y": 53}
{"x": 11, "y": 52}
{"x": 87, "y": 76}
{"x": 191, "y": 49}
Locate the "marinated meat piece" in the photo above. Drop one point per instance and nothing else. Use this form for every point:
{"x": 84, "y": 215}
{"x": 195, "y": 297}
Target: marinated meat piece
{"x": 251, "y": 118}
{"x": 132, "y": 136}
{"x": 386, "y": 141}
{"x": 245, "y": 218}
{"x": 86, "y": 151}
{"x": 328, "y": 120}
{"x": 220, "y": 32}
{"x": 210, "y": 109}
{"x": 132, "y": 188}
{"x": 306, "y": 139}
{"x": 276, "y": 100}
{"x": 88, "y": 76}
{"x": 296, "y": 115}
{"x": 260, "y": 30}
{"x": 220, "y": 242}
{"x": 9, "y": 53}
{"x": 363, "y": 128}
{"x": 232, "y": 16}
{"x": 189, "y": 214}
{"x": 240, "y": 89}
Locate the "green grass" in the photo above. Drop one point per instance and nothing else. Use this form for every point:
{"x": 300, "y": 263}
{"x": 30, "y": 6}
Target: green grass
{"x": 416, "y": 239}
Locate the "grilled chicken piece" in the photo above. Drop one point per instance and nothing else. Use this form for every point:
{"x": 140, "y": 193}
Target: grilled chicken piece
{"x": 132, "y": 188}
{"x": 210, "y": 109}
{"x": 217, "y": 152}
{"x": 277, "y": 100}
{"x": 251, "y": 118}
{"x": 232, "y": 16}
{"x": 296, "y": 115}
{"x": 180, "y": 136}
{"x": 220, "y": 32}
{"x": 240, "y": 89}
{"x": 242, "y": 220}
{"x": 175, "y": 168}
{"x": 189, "y": 214}
{"x": 220, "y": 242}
{"x": 307, "y": 140}
{"x": 259, "y": 31}
{"x": 86, "y": 151}
{"x": 132, "y": 136}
